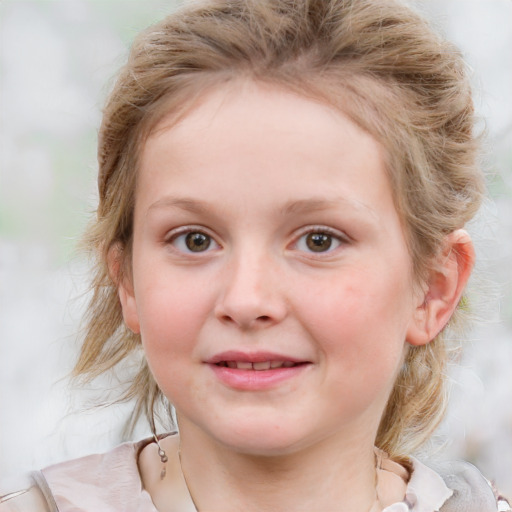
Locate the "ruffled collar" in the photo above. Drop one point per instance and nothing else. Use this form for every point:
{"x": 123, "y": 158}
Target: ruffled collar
{"x": 423, "y": 489}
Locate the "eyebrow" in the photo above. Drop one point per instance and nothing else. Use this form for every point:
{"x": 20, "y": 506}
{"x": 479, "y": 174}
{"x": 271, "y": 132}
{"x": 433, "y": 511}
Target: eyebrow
{"x": 321, "y": 204}
{"x": 184, "y": 203}
{"x": 291, "y": 208}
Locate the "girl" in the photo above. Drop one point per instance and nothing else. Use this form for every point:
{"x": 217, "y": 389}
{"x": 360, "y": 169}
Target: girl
{"x": 283, "y": 189}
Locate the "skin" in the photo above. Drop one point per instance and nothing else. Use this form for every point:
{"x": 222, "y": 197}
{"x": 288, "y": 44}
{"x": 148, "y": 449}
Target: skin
{"x": 258, "y": 170}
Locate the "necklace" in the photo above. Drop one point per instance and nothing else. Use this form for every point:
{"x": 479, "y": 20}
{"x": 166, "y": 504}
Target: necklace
{"x": 375, "y": 507}
{"x": 185, "y": 480}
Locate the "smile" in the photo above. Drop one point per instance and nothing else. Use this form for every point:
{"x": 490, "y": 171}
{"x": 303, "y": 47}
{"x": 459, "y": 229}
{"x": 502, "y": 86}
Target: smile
{"x": 257, "y": 371}
{"x": 257, "y": 366}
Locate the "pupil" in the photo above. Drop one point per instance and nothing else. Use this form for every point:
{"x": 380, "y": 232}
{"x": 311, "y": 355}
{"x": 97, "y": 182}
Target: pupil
{"x": 319, "y": 242}
{"x": 197, "y": 242}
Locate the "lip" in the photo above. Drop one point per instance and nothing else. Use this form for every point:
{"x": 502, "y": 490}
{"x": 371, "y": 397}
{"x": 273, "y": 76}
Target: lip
{"x": 252, "y": 357}
{"x": 255, "y": 380}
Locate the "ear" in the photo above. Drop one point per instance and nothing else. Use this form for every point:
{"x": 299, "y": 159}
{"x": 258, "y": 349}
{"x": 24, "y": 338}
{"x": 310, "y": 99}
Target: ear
{"x": 125, "y": 290}
{"x": 444, "y": 288}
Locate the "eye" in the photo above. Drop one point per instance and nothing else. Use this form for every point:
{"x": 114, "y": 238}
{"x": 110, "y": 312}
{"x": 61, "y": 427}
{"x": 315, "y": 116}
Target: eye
{"x": 319, "y": 241}
{"x": 192, "y": 241}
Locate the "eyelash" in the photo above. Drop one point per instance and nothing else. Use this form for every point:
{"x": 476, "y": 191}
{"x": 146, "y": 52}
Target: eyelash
{"x": 335, "y": 236}
{"x": 182, "y": 233}
{"x": 180, "y": 236}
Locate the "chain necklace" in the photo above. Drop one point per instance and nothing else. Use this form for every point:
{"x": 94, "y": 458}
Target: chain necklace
{"x": 375, "y": 507}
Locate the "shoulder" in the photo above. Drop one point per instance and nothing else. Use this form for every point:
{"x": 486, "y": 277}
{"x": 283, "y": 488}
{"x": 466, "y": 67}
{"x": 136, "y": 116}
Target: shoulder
{"x": 28, "y": 493}
{"x": 468, "y": 490}
{"x": 471, "y": 490}
{"x": 109, "y": 482}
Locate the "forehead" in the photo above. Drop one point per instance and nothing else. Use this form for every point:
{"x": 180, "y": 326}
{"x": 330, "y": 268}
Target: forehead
{"x": 261, "y": 138}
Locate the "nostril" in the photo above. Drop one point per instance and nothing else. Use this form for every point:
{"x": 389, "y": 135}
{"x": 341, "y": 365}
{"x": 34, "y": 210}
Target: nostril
{"x": 262, "y": 320}
{"x": 227, "y": 318}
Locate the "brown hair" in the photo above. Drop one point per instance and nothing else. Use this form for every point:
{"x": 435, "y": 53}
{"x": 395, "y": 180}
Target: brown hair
{"x": 377, "y": 61}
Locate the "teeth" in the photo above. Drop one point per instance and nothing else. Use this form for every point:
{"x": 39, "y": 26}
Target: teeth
{"x": 259, "y": 366}
{"x": 265, "y": 365}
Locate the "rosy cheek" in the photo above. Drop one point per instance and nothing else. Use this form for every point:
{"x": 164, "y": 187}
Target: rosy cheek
{"x": 335, "y": 309}
{"x": 171, "y": 317}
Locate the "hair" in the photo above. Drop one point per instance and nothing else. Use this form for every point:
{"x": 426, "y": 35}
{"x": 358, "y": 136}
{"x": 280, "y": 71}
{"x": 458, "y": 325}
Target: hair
{"x": 377, "y": 61}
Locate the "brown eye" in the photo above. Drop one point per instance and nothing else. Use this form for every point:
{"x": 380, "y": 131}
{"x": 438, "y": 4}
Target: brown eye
{"x": 187, "y": 240}
{"x": 318, "y": 242}
{"x": 197, "y": 242}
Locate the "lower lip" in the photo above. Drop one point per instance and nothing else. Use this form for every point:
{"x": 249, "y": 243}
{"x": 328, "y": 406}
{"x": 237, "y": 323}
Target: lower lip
{"x": 256, "y": 380}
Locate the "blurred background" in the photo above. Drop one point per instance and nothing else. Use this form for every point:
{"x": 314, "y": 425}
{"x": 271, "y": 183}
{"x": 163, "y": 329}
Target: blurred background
{"x": 58, "y": 59}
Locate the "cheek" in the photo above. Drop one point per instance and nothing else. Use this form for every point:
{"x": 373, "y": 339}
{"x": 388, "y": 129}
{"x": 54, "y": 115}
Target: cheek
{"x": 360, "y": 322}
{"x": 169, "y": 327}
{"x": 362, "y": 347}
{"x": 172, "y": 314}
{"x": 170, "y": 303}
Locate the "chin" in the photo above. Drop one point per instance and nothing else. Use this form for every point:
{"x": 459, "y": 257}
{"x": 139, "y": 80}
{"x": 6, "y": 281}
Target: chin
{"x": 262, "y": 440}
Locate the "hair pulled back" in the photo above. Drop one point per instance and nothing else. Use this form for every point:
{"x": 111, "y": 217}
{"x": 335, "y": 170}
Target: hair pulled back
{"x": 377, "y": 61}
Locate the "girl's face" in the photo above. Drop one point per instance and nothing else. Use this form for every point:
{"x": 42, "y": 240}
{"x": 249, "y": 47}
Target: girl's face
{"x": 271, "y": 280}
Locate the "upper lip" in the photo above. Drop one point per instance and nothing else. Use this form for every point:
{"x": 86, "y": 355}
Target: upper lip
{"x": 251, "y": 357}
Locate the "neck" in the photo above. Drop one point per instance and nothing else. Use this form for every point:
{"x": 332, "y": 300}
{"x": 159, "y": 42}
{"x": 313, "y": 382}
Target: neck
{"x": 332, "y": 475}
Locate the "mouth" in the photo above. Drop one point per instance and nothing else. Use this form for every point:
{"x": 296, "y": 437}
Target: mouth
{"x": 258, "y": 371}
{"x": 259, "y": 365}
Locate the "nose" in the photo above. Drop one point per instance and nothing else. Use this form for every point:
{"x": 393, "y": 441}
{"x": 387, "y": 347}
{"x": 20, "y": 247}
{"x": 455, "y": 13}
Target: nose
{"x": 252, "y": 295}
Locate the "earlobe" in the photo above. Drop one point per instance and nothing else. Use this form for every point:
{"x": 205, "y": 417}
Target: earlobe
{"x": 125, "y": 289}
{"x": 444, "y": 289}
